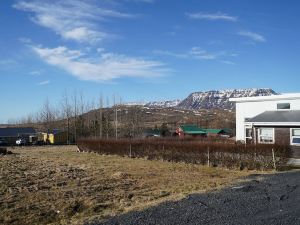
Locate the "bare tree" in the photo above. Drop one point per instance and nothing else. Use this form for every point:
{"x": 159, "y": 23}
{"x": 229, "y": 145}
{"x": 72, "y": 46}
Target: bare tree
{"x": 100, "y": 116}
{"x": 75, "y": 110}
{"x": 67, "y": 112}
{"x": 107, "y": 122}
{"x": 47, "y": 115}
{"x": 116, "y": 117}
{"x": 81, "y": 112}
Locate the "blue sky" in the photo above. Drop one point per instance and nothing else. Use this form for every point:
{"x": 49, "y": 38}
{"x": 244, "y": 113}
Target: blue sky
{"x": 143, "y": 50}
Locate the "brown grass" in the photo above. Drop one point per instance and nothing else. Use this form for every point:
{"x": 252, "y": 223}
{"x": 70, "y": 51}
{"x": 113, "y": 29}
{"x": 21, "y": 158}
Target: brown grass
{"x": 57, "y": 185}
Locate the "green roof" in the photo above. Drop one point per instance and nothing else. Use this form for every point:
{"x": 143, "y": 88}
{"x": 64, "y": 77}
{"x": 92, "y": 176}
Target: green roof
{"x": 214, "y": 131}
{"x": 192, "y": 129}
{"x": 217, "y": 131}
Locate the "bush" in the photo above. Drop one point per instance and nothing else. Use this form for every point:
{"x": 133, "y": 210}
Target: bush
{"x": 197, "y": 151}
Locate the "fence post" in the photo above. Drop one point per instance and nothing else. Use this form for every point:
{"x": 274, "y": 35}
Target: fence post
{"x": 130, "y": 150}
{"x": 208, "y": 157}
{"x": 273, "y": 156}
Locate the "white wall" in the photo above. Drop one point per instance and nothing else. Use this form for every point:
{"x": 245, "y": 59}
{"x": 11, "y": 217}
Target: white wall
{"x": 251, "y": 109}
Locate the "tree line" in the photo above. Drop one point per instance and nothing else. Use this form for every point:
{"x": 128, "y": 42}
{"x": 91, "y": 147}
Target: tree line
{"x": 103, "y": 117}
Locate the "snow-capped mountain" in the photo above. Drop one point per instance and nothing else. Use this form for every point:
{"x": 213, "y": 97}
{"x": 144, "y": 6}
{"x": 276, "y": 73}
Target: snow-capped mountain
{"x": 134, "y": 104}
{"x": 163, "y": 104}
{"x": 220, "y": 99}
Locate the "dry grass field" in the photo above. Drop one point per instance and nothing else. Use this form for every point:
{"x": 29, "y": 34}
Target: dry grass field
{"x": 58, "y": 185}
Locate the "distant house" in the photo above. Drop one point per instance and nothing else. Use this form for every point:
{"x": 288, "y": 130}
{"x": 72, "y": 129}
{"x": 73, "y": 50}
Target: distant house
{"x": 11, "y": 134}
{"x": 269, "y": 119}
{"x": 218, "y": 132}
{"x": 190, "y": 131}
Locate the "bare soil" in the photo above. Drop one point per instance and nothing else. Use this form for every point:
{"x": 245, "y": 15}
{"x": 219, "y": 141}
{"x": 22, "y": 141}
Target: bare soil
{"x": 58, "y": 185}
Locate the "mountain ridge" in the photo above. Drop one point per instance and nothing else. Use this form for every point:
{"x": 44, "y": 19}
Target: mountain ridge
{"x": 212, "y": 99}
{"x": 219, "y": 99}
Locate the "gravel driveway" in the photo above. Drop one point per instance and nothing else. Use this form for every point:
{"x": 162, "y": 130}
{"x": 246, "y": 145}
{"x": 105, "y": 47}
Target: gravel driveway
{"x": 261, "y": 199}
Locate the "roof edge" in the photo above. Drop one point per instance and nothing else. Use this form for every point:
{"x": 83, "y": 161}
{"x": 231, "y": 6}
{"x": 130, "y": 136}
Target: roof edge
{"x": 289, "y": 96}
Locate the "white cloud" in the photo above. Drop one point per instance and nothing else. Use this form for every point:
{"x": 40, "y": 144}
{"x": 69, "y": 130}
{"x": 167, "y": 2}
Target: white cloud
{"x": 199, "y": 53}
{"x": 253, "y": 36}
{"x": 212, "y": 16}
{"x": 83, "y": 34}
{"x": 36, "y": 73}
{"x": 228, "y": 62}
{"x": 195, "y": 53}
{"x": 169, "y": 53}
{"x": 25, "y": 40}
{"x": 71, "y": 19}
{"x": 45, "y": 82}
{"x": 104, "y": 68}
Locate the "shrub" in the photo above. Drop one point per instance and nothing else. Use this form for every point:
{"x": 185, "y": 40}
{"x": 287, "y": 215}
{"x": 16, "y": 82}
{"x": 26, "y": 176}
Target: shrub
{"x": 199, "y": 151}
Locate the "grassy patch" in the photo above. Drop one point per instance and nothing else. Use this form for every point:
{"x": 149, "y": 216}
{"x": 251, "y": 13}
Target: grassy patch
{"x": 57, "y": 185}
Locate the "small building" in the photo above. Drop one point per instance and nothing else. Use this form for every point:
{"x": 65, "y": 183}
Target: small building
{"x": 269, "y": 119}
{"x": 218, "y": 132}
{"x": 11, "y": 134}
{"x": 190, "y": 131}
{"x": 59, "y": 137}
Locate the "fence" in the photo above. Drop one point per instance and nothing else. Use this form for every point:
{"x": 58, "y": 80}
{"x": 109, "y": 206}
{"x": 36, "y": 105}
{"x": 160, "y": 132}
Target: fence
{"x": 208, "y": 152}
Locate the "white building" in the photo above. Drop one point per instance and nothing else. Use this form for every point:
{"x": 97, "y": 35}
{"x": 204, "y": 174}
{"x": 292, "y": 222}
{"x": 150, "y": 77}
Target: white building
{"x": 268, "y": 119}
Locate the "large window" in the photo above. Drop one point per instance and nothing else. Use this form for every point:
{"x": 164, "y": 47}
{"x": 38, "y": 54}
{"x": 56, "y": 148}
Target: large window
{"x": 266, "y": 135}
{"x": 283, "y": 106}
{"x": 295, "y": 136}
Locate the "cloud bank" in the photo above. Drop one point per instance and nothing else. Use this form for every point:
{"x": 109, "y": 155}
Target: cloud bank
{"x": 71, "y": 19}
{"x": 253, "y": 36}
{"x": 212, "y": 16}
{"x": 106, "y": 67}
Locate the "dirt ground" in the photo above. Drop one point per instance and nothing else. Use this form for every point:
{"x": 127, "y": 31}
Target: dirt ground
{"x": 58, "y": 185}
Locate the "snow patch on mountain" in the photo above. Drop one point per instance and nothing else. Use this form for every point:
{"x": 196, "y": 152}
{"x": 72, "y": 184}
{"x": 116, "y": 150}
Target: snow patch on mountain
{"x": 163, "y": 104}
{"x": 220, "y": 99}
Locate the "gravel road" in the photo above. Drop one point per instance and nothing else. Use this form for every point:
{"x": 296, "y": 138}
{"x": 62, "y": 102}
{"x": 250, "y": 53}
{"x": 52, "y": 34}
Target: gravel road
{"x": 260, "y": 199}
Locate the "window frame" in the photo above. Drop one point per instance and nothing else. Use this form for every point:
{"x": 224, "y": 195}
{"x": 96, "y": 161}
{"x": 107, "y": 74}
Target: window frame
{"x": 293, "y": 136}
{"x": 248, "y": 137}
{"x": 259, "y": 135}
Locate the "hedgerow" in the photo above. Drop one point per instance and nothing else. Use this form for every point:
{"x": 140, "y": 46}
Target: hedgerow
{"x": 212, "y": 152}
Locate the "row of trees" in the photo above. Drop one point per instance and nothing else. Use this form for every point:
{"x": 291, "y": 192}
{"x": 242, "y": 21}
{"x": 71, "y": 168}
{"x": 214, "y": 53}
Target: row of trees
{"x": 81, "y": 118}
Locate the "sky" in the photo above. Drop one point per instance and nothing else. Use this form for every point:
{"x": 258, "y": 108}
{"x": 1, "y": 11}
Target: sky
{"x": 143, "y": 50}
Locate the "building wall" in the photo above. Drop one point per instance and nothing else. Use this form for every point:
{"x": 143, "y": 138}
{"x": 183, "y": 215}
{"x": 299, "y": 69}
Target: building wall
{"x": 296, "y": 151}
{"x": 250, "y": 109}
{"x": 282, "y": 136}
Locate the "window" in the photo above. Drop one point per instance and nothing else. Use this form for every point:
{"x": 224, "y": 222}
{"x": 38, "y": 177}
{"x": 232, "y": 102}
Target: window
{"x": 266, "y": 135}
{"x": 283, "y": 106}
{"x": 249, "y": 133}
{"x": 295, "y": 136}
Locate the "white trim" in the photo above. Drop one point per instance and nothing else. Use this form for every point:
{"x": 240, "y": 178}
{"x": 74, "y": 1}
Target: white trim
{"x": 291, "y": 137}
{"x": 274, "y": 123}
{"x": 273, "y": 138}
{"x": 289, "y": 96}
{"x": 248, "y": 138}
